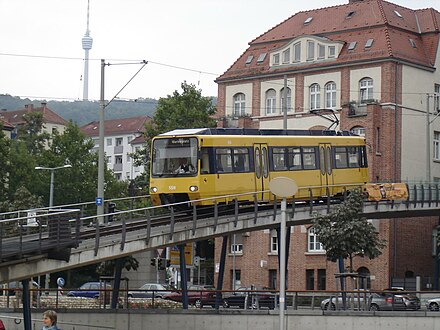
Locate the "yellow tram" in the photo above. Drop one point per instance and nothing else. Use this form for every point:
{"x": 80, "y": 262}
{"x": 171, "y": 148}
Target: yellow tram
{"x": 194, "y": 164}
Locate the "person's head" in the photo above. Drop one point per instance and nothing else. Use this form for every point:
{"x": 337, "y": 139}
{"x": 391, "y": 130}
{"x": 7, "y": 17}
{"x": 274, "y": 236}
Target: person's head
{"x": 49, "y": 318}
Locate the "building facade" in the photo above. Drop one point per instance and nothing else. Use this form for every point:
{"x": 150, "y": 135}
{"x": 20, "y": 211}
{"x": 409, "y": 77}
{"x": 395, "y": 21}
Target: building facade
{"x": 368, "y": 66}
{"x": 52, "y": 122}
{"x": 118, "y": 147}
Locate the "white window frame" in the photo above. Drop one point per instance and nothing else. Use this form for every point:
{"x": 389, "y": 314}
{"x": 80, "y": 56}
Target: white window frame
{"x": 119, "y": 141}
{"x": 358, "y": 130}
{"x": 436, "y": 145}
{"x": 331, "y": 51}
{"x": 310, "y": 50}
{"x": 239, "y": 104}
{"x": 271, "y": 101}
{"x": 109, "y": 141}
{"x": 297, "y": 52}
{"x": 273, "y": 241}
{"x": 437, "y": 97}
{"x": 365, "y": 90}
{"x": 286, "y": 56}
{"x": 330, "y": 95}
{"x": 321, "y": 51}
{"x": 289, "y": 100}
{"x": 313, "y": 244}
{"x": 276, "y": 59}
{"x": 315, "y": 97}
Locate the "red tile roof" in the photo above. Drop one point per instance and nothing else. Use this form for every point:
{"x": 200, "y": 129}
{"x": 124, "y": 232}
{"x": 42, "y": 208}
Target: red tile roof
{"x": 138, "y": 140}
{"x": 371, "y": 19}
{"x": 15, "y": 117}
{"x": 117, "y": 126}
{"x": 6, "y": 125}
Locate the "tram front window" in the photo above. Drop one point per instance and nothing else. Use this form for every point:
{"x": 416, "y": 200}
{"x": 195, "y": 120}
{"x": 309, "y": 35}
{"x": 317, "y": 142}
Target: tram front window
{"x": 174, "y": 157}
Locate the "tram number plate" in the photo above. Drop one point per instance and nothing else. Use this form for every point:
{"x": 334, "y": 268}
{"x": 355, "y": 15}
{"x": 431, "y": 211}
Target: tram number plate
{"x": 171, "y": 187}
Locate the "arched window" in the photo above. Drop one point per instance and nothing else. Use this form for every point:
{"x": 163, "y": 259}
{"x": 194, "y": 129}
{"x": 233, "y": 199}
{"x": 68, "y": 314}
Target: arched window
{"x": 365, "y": 90}
{"x": 409, "y": 274}
{"x": 315, "y": 96}
{"x": 364, "y": 278}
{"x": 312, "y": 241}
{"x": 239, "y": 104}
{"x": 289, "y": 100}
{"x": 271, "y": 101}
{"x": 358, "y": 130}
{"x": 330, "y": 95}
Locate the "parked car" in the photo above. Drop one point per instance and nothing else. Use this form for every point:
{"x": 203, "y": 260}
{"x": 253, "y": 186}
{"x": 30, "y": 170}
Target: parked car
{"x": 90, "y": 290}
{"x": 198, "y": 295}
{"x": 148, "y": 290}
{"x": 10, "y": 287}
{"x": 433, "y": 304}
{"x": 375, "y": 301}
{"x": 244, "y": 296}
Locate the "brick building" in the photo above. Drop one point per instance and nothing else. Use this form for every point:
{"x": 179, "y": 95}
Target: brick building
{"x": 370, "y": 66}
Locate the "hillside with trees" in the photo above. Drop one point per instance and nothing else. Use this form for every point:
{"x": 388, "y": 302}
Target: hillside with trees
{"x": 83, "y": 112}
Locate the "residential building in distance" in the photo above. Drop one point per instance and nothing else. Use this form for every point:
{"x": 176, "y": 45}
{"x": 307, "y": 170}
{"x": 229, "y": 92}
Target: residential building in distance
{"x": 119, "y": 135}
{"x": 52, "y": 122}
{"x": 7, "y": 128}
{"x": 367, "y": 66}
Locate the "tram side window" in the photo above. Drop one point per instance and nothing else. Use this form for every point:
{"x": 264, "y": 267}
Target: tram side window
{"x": 204, "y": 162}
{"x": 279, "y": 159}
{"x": 353, "y": 156}
{"x": 309, "y": 158}
{"x": 223, "y": 158}
{"x": 241, "y": 160}
{"x": 295, "y": 161}
{"x": 341, "y": 157}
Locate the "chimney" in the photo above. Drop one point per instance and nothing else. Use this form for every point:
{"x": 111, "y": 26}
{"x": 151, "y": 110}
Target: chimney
{"x": 29, "y": 107}
{"x": 43, "y": 105}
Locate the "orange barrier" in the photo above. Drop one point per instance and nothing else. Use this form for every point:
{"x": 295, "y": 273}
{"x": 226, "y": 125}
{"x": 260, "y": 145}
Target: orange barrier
{"x": 387, "y": 191}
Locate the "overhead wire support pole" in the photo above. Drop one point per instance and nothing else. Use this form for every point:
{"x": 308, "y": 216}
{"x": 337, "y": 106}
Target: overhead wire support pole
{"x": 101, "y": 154}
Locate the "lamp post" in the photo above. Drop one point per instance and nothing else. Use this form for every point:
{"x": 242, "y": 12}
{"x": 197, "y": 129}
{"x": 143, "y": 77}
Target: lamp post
{"x": 283, "y": 187}
{"x": 52, "y": 175}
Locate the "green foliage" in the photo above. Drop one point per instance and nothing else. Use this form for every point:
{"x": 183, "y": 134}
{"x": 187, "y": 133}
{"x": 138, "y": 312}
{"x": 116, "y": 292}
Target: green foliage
{"x": 188, "y": 109}
{"x": 345, "y": 233}
{"x": 31, "y": 132}
{"x": 107, "y": 268}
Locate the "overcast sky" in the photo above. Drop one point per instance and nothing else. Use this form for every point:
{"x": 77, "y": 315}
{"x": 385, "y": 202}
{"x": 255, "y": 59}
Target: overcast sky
{"x": 193, "y": 40}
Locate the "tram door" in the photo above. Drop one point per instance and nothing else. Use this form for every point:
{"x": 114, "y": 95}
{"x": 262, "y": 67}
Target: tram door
{"x": 325, "y": 164}
{"x": 261, "y": 166}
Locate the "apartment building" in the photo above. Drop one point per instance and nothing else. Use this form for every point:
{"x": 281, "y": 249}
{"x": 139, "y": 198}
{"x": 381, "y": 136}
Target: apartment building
{"x": 368, "y": 66}
{"x": 52, "y": 122}
{"x": 118, "y": 143}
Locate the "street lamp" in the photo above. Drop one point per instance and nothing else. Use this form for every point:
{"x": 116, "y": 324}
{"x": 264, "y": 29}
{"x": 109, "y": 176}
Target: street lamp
{"x": 52, "y": 171}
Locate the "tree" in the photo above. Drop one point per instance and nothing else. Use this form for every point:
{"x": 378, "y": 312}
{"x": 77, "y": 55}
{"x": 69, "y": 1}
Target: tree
{"x": 344, "y": 233}
{"x": 31, "y": 132}
{"x": 188, "y": 109}
{"x": 4, "y": 165}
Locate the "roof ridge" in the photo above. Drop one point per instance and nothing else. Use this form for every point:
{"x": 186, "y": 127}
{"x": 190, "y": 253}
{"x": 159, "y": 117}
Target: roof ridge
{"x": 382, "y": 11}
{"x": 388, "y": 41}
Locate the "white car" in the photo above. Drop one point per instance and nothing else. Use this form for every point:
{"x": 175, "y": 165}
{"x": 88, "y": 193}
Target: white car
{"x": 433, "y": 304}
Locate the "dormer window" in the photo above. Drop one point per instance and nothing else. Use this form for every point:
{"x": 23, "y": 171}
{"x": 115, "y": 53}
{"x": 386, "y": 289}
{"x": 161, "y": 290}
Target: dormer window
{"x": 331, "y": 51}
{"x": 286, "y": 56}
{"x": 413, "y": 43}
{"x": 352, "y": 45}
{"x": 308, "y": 20}
{"x": 249, "y": 59}
{"x": 276, "y": 59}
{"x": 297, "y": 52}
{"x": 321, "y": 51}
{"x": 310, "y": 50}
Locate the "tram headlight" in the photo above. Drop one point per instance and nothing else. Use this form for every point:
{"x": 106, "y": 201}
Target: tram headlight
{"x": 193, "y": 188}
{"x": 153, "y": 190}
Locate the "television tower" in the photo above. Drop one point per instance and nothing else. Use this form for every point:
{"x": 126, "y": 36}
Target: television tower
{"x": 87, "y": 42}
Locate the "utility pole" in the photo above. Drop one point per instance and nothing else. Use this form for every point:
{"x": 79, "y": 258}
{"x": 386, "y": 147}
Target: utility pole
{"x": 100, "y": 197}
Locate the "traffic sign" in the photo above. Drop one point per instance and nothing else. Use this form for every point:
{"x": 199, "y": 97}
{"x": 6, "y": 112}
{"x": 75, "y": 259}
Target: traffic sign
{"x": 98, "y": 201}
